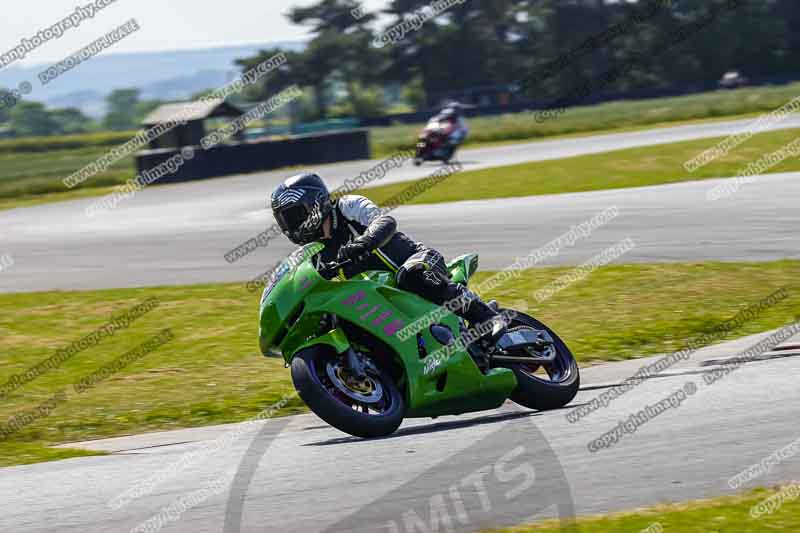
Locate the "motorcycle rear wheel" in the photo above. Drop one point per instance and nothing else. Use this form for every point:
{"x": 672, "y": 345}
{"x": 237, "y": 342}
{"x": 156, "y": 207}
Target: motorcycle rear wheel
{"x": 533, "y": 390}
{"x": 370, "y": 408}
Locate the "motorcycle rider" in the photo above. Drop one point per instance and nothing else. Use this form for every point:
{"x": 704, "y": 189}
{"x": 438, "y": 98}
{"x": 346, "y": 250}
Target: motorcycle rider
{"x": 453, "y": 116}
{"x": 354, "y": 228}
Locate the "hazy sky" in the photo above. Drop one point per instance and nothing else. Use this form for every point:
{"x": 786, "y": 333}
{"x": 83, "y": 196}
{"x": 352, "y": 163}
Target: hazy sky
{"x": 165, "y": 24}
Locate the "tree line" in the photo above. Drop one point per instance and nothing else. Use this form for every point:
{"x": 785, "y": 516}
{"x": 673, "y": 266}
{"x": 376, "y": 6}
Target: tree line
{"x": 404, "y": 58}
{"x": 542, "y": 49}
{"x": 25, "y": 118}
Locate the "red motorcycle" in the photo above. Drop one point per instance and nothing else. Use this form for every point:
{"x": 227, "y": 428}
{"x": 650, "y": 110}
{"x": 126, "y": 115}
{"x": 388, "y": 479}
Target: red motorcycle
{"x": 434, "y": 143}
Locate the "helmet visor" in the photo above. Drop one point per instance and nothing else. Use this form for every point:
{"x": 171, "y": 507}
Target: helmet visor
{"x": 291, "y": 218}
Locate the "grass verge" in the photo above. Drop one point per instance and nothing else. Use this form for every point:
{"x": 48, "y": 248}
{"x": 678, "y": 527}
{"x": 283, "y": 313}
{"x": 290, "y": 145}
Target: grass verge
{"x": 596, "y": 118}
{"x": 29, "y": 200}
{"x": 211, "y": 372}
{"x": 634, "y": 167}
{"x": 25, "y": 173}
{"x": 729, "y": 514}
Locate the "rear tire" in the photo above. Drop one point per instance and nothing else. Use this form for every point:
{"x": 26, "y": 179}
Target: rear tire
{"x": 538, "y": 393}
{"x": 311, "y": 378}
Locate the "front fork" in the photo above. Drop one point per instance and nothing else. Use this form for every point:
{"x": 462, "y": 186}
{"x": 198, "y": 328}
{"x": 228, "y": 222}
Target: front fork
{"x": 357, "y": 363}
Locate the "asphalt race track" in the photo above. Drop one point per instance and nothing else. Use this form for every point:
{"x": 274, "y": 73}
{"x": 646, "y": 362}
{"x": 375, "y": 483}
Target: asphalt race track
{"x": 179, "y": 234}
{"x": 297, "y": 474}
{"x": 461, "y": 473}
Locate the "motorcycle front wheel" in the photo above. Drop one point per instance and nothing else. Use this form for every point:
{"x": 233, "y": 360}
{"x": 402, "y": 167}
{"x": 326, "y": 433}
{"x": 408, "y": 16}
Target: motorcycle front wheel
{"x": 546, "y": 386}
{"x": 367, "y": 408}
{"x": 448, "y": 154}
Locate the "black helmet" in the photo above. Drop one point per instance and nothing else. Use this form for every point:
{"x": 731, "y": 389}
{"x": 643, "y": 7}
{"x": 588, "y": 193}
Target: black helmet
{"x": 300, "y": 205}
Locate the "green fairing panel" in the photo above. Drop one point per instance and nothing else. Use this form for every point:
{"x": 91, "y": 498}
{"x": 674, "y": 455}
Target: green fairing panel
{"x": 336, "y": 339}
{"x": 463, "y": 267}
{"x": 283, "y": 297}
{"x": 437, "y": 384}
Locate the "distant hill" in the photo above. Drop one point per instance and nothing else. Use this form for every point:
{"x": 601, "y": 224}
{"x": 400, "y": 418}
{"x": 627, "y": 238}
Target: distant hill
{"x": 160, "y": 75}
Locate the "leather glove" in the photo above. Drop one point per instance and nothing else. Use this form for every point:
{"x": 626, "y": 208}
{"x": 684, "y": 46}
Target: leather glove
{"x": 352, "y": 251}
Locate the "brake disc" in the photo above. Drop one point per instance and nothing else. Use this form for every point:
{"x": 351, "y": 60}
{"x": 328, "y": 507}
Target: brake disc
{"x": 367, "y": 390}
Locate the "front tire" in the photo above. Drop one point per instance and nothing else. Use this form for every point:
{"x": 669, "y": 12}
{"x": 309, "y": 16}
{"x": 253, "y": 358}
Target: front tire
{"x": 535, "y": 392}
{"x": 448, "y": 154}
{"x": 369, "y": 409}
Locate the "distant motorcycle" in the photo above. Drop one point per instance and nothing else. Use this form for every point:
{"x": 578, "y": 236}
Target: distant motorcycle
{"x": 434, "y": 143}
{"x": 354, "y": 365}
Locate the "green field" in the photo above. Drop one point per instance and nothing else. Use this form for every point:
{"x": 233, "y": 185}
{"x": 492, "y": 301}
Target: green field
{"x": 215, "y": 364}
{"x": 26, "y": 175}
{"x": 720, "y": 515}
{"x": 35, "y": 166}
{"x": 635, "y": 167}
{"x": 31, "y": 170}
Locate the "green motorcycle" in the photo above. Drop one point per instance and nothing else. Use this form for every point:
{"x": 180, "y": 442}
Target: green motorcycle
{"x": 364, "y": 354}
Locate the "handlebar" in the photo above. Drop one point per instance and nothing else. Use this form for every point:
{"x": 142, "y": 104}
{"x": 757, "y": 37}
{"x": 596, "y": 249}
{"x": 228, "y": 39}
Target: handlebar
{"x": 333, "y": 267}
{"x": 336, "y": 266}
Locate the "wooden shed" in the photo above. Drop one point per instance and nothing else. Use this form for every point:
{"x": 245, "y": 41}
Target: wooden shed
{"x": 196, "y": 114}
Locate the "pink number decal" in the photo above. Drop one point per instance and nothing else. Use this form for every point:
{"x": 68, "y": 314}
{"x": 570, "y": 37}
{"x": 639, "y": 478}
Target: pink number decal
{"x": 393, "y": 327}
{"x": 371, "y": 311}
{"x": 383, "y": 316}
{"x": 355, "y": 298}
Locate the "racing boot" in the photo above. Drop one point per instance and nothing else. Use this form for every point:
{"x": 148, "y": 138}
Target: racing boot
{"x": 481, "y": 315}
